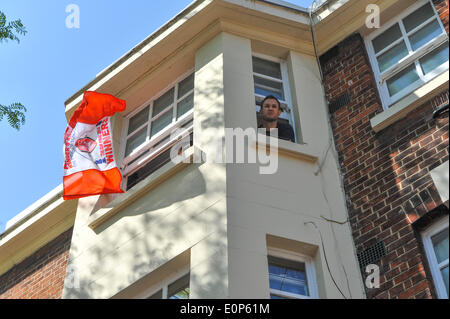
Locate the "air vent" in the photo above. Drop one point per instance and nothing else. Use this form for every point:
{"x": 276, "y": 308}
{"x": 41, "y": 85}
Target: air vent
{"x": 371, "y": 255}
{"x": 341, "y": 101}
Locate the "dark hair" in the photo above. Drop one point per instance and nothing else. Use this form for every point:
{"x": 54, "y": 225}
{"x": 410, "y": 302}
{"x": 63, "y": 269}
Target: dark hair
{"x": 271, "y": 97}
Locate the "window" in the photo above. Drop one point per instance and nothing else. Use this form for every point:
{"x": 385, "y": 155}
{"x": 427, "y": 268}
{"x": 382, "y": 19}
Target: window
{"x": 291, "y": 276}
{"x": 148, "y": 129}
{"x": 435, "y": 240}
{"x": 270, "y": 78}
{"x": 178, "y": 289}
{"x": 408, "y": 52}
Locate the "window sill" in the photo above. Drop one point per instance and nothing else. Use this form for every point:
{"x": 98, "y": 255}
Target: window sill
{"x": 410, "y": 102}
{"x": 143, "y": 187}
{"x": 301, "y": 152}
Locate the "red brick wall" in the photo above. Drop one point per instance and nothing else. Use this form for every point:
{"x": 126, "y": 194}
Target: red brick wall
{"x": 386, "y": 174}
{"x": 442, "y": 9}
{"x": 41, "y": 275}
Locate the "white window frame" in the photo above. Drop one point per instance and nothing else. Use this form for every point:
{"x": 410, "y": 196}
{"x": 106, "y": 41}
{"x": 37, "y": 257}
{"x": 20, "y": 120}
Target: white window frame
{"x": 410, "y": 59}
{"x": 287, "y": 109}
{"x": 165, "y": 283}
{"x": 432, "y": 230}
{"x": 310, "y": 273}
{"x": 125, "y": 166}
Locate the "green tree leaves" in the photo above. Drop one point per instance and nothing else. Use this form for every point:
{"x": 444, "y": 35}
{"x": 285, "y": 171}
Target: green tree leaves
{"x": 9, "y": 31}
{"x": 14, "y": 114}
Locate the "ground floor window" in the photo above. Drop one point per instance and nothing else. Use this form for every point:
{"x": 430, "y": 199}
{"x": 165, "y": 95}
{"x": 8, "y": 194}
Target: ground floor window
{"x": 291, "y": 275}
{"x": 173, "y": 289}
{"x": 435, "y": 240}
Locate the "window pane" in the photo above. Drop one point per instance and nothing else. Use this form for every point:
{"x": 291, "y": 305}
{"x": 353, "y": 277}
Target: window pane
{"x": 186, "y": 85}
{"x": 425, "y": 35}
{"x": 138, "y": 120}
{"x": 276, "y": 276}
{"x": 298, "y": 275}
{"x": 284, "y": 283}
{"x": 444, "y": 273}
{"x": 392, "y": 56}
{"x": 402, "y": 80}
{"x": 161, "y": 103}
{"x": 161, "y": 122}
{"x": 156, "y": 295}
{"x": 287, "y": 275}
{"x": 148, "y": 169}
{"x": 434, "y": 59}
{"x": 265, "y": 92}
{"x": 136, "y": 140}
{"x": 386, "y": 38}
{"x": 182, "y": 294}
{"x": 185, "y": 105}
{"x": 265, "y": 87}
{"x": 277, "y": 297}
{"x": 266, "y": 67}
{"x": 440, "y": 244}
{"x": 161, "y": 143}
{"x": 139, "y": 157}
{"x": 418, "y": 17}
{"x": 179, "y": 289}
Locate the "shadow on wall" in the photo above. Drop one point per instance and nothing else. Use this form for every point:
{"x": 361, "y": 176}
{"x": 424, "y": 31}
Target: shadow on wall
{"x": 159, "y": 221}
{"x": 156, "y": 247}
{"x": 183, "y": 191}
{"x": 411, "y": 148}
{"x": 175, "y": 193}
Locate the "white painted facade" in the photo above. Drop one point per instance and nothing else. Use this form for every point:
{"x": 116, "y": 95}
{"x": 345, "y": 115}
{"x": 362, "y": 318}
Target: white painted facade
{"x": 219, "y": 221}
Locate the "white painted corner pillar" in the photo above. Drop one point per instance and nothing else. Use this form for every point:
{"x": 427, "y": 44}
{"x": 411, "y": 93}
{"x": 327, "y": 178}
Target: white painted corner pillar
{"x": 209, "y": 256}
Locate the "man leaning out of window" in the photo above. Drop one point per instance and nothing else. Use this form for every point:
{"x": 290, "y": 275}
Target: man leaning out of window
{"x": 270, "y": 112}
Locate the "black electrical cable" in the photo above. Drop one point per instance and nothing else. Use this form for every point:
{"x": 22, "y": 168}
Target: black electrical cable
{"x": 326, "y": 260}
{"x": 440, "y": 110}
{"x": 329, "y": 125}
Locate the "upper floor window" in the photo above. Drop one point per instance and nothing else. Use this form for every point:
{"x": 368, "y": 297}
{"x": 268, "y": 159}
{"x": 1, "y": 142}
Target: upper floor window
{"x": 291, "y": 276}
{"x": 408, "y": 51}
{"x": 435, "y": 241}
{"x": 270, "y": 77}
{"x": 148, "y": 130}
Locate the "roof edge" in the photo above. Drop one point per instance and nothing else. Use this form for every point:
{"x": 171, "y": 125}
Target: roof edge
{"x": 32, "y": 210}
{"x": 287, "y": 5}
{"x": 102, "y": 74}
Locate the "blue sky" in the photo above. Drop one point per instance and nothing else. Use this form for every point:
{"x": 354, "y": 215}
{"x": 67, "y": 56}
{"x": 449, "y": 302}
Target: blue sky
{"x": 51, "y": 63}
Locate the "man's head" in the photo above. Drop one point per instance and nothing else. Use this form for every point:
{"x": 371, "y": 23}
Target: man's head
{"x": 270, "y": 108}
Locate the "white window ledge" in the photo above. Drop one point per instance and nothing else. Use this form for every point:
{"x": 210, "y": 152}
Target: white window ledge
{"x": 415, "y": 99}
{"x": 301, "y": 152}
{"x": 143, "y": 187}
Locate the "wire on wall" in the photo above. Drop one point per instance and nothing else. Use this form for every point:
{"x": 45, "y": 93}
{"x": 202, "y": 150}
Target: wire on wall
{"x": 316, "y": 5}
{"x": 326, "y": 260}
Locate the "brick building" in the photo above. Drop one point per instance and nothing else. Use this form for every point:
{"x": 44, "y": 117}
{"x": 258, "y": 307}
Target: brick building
{"x": 34, "y": 249}
{"x": 365, "y": 182}
{"x": 388, "y": 164}
{"x": 41, "y": 275}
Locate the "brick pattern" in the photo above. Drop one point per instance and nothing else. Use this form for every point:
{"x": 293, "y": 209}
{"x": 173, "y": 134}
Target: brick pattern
{"x": 386, "y": 174}
{"x": 442, "y": 9}
{"x": 41, "y": 275}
